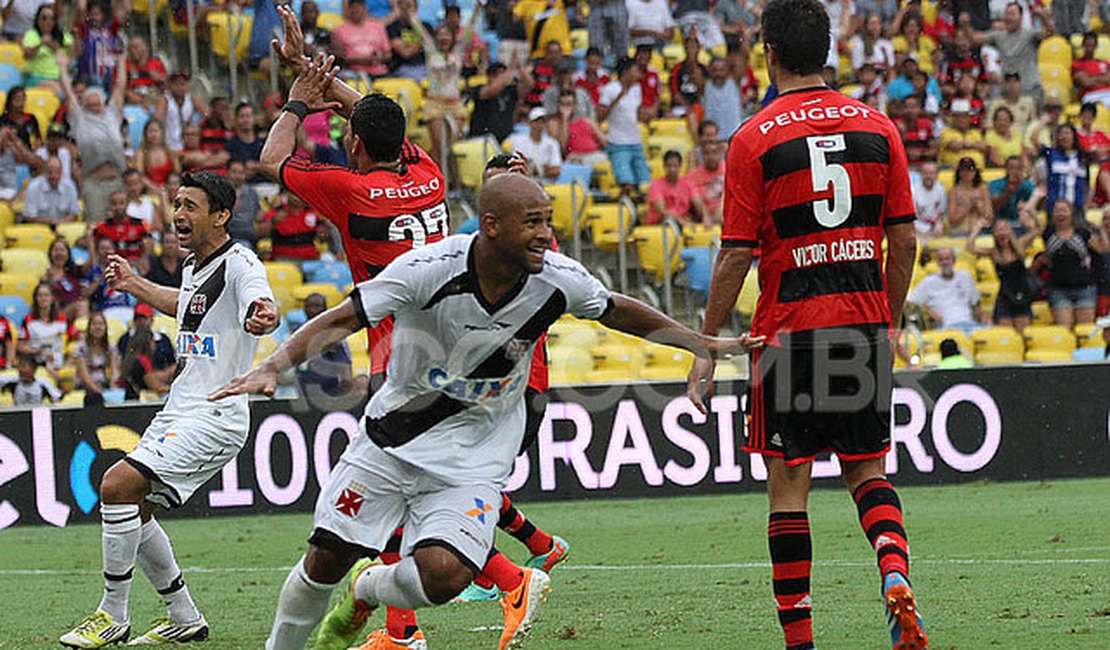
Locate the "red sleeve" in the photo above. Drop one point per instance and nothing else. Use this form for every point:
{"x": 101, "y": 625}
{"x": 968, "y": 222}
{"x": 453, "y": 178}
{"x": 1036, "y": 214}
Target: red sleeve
{"x": 326, "y": 188}
{"x": 898, "y": 206}
{"x": 72, "y": 333}
{"x": 743, "y": 198}
{"x": 674, "y": 80}
{"x": 147, "y": 364}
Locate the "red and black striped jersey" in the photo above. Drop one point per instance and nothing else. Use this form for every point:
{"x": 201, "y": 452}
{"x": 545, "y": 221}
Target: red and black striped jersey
{"x": 380, "y": 215}
{"x": 812, "y": 180}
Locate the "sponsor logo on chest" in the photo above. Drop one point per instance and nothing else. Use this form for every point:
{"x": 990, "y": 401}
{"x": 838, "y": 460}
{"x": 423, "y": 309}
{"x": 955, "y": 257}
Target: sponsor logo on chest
{"x": 201, "y": 346}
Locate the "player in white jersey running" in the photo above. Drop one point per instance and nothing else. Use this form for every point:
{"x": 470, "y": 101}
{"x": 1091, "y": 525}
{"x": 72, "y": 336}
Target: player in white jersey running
{"x": 439, "y": 438}
{"x": 223, "y": 305}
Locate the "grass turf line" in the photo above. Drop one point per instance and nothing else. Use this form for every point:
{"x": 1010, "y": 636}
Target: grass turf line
{"x": 1059, "y": 598}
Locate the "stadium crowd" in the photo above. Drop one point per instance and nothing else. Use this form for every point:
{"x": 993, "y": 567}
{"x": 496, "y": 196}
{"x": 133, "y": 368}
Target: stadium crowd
{"x": 1003, "y": 108}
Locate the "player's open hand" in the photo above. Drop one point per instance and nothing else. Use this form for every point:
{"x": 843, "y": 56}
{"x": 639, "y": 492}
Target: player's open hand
{"x": 311, "y": 85}
{"x": 291, "y": 50}
{"x": 263, "y": 317}
{"x": 260, "y": 381}
{"x": 118, "y": 273}
{"x": 699, "y": 383}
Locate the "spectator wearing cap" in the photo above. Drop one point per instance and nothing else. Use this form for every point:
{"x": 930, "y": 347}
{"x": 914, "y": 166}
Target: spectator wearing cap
{"x": 330, "y": 373}
{"x": 564, "y": 82}
{"x": 1014, "y": 98}
{"x": 958, "y": 140}
{"x": 1091, "y": 75}
{"x": 163, "y": 358}
{"x": 951, "y": 358}
{"x": 361, "y": 42}
{"x": 931, "y": 202}
{"x": 1092, "y": 140}
{"x": 51, "y": 199}
{"x": 608, "y": 28}
{"x": 146, "y": 74}
{"x": 177, "y": 107}
{"x": 619, "y": 106}
{"x": 541, "y": 150}
{"x": 496, "y": 102}
{"x": 650, "y": 22}
{"x": 97, "y": 123}
{"x": 581, "y": 139}
{"x": 1017, "y": 46}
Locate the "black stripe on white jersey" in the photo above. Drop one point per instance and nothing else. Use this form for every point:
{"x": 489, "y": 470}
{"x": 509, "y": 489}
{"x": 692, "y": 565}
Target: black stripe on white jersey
{"x": 202, "y": 300}
{"x": 793, "y": 155}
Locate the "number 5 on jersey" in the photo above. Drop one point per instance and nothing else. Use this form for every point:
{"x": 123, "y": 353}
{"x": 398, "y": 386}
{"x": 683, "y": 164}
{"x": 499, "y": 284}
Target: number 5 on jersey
{"x": 830, "y": 213}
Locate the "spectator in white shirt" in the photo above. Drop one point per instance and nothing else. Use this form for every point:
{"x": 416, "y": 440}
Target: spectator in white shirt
{"x": 51, "y": 199}
{"x": 650, "y": 22}
{"x": 541, "y": 150}
{"x": 619, "y": 105}
{"x": 931, "y": 201}
{"x": 950, "y": 297}
{"x": 139, "y": 205}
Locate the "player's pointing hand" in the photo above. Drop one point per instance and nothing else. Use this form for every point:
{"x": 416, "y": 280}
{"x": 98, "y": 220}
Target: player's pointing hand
{"x": 261, "y": 380}
{"x": 263, "y": 317}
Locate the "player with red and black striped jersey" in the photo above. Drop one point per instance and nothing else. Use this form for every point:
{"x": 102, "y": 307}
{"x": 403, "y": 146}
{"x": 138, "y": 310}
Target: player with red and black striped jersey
{"x": 815, "y": 181}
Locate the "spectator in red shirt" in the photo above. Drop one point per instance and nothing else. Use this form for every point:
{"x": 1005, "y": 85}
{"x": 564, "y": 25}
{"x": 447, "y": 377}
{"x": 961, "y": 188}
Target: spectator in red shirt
{"x": 1090, "y": 75}
{"x": 45, "y": 331}
{"x": 961, "y": 59}
{"x": 215, "y": 130}
{"x": 943, "y": 27}
{"x": 594, "y": 76}
{"x": 129, "y": 235}
{"x": 649, "y": 83}
{"x": 543, "y": 74}
{"x": 581, "y": 139}
{"x": 193, "y": 156}
{"x": 146, "y": 75}
{"x": 293, "y": 229}
{"x": 671, "y": 197}
{"x": 707, "y": 182}
{"x": 917, "y": 132}
{"x": 1094, "y": 141}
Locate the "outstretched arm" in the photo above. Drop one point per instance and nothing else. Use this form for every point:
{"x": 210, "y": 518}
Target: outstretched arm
{"x": 122, "y": 277}
{"x": 633, "y": 317}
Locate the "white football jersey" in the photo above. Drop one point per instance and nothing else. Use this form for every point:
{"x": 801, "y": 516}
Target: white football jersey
{"x": 213, "y": 347}
{"x": 452, "y": 401}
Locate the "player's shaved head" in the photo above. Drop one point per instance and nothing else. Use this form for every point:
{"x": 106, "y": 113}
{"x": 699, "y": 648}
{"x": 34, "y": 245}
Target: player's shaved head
{"x": 507, "y": 194}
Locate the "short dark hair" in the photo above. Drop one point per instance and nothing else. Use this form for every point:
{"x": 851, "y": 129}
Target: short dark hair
{"x": 500, "y": 161}
{"x": 449, "y": 9}
{"x": 1021, "y": 10}
{"x": 567, "y": 93}
{"x": 594, "y": 50}
{"x": 672, "y": 154}
{"x": 798, "y": 30}
{"x": 949, "y": 347}
{"x": 380, "y": 123}
{"x": 623, "y": 64}
{"x": 1088, "y": 107}
{"x": 705, "y": 124}
{"x": 129, "y": 172}
{"x": 241, "y": 105}
{"x": 495, "y": 68}
{"x": 220, "y": 193}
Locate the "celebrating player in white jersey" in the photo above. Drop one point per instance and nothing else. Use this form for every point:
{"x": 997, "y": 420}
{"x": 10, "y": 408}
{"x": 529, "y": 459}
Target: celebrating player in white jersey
{"x": 439, "y": 439}
{"x": 224, "y": 303}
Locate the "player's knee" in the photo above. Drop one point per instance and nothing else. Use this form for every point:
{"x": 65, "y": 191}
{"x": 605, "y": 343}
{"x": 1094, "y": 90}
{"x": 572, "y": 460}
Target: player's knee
{"x": 122, "y": 483}
{"x": 442, "y": 574}
{"x": 328, "y": 563}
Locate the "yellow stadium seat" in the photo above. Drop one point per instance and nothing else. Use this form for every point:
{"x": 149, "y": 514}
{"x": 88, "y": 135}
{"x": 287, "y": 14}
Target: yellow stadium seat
{"x": 699, "y": 236}
{"x": 1054, "y": 50}
{"x": 266, "y": 346}
{"x": 43, "y": 104}
{"x": 576, "y": 334}
{"x": 565, "y": 200}
{"x": 658, "y": 145}
{"x": 24, "y": 260}
{"x": 7, "y": 218}
{"x": 603, "y": 175}
{"x": 284, "y": 276}
{"x": 579, "y": 39}
{"x": 1056, "y": 81}
{"x": 569, "y": 365}
{"x": 71, "y": 232}
{"x": 947, "y": 178}
{"x": 471, "y": 157}
{"x": 749, "y": 295}
{"x": 931, "y": 340}
{"x": 996, "y": 346}
{"x": 1042, "y": 313}
{"x": 330, "y": 292}
{"x": 34, "y": 236}
{"x": 329, "y": 21}
{"x": 19, "y": 284}
{"x": 227, "y": 28}
{"x": 1045, "y": 343}
{"x": 11, "y": 53}
{"x": 649, "y": 248}
{"x": 676, "y": 127}
{"x": 616, "y": 362}
{"x": 406, "y": 92}
{"x": 604, "y": 221}
{"x": 657, "y": 167}
{"x": 664, "y": 362}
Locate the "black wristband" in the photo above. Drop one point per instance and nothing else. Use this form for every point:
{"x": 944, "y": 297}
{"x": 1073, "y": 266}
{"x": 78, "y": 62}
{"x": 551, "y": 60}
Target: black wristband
{"x": 298, "y": 108}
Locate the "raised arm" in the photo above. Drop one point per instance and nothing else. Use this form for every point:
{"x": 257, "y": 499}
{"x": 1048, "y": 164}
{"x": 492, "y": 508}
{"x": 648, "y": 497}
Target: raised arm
{"x": 972, "y": 234}
{"x": 308, "y": 92}
{"x": 119, "y": 88}
{"x": 121, "y": 277}
{"x": 633, "y": 317}
{"x": 291, "y": 51}
{"x": 67, "y": 85}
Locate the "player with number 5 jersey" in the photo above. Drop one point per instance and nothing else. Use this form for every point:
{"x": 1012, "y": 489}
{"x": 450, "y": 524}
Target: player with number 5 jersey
{"x": 815, "y": 181}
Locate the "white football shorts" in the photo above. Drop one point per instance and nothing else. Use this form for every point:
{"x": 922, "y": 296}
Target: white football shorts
{"x": 179, "y": 454}
{"x": 364, "y": 504}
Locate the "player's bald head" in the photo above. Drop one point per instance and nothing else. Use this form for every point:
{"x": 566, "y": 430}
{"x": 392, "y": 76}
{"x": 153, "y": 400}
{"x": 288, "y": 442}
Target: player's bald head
{"x": 509, "y": 194}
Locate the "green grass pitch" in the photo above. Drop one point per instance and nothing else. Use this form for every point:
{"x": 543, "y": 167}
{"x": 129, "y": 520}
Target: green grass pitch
{"x": 1014, "y": 566}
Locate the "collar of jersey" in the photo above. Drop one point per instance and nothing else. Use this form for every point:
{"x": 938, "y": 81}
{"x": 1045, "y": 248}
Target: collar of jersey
{"x": 216, "y": 253}
{"x": 808, "y": 89}
{"x": 476, "y": 287}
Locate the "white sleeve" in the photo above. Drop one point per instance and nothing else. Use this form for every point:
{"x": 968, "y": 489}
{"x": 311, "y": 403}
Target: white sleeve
{"x": 388, "y": 292}
{"x": 251, "y": 283}
{"x": 556, "y": 158}
{"x": 919, "y": 294}
{"x": 50, "y": 389}
{"x": 586, "y": 296}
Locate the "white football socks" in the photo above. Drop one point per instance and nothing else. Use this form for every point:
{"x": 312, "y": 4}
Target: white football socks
{"x": 121, "y": 531}
{"x": 397, "y": 585}
{"x": 301, "y": 606}
{"x": 158, "y": 563}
